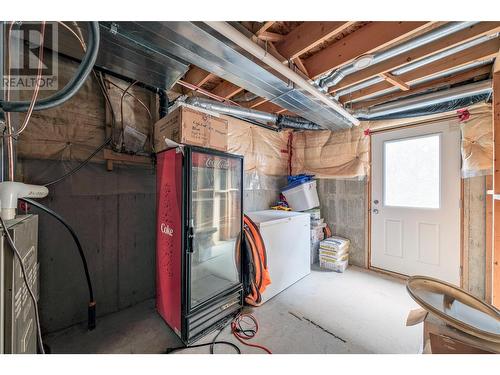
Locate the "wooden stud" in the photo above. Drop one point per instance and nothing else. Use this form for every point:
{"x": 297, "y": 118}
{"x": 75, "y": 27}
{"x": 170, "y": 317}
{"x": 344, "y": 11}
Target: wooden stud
{"x": 489, "y": 241}
{"x": 369, "y": 38}
{"x": 395, "y": 81}
{"x": 126, "y": 158}
{"x": 496, "y": 189}
{"x": 309, "y": 35}
{"x": 475, "y": 31}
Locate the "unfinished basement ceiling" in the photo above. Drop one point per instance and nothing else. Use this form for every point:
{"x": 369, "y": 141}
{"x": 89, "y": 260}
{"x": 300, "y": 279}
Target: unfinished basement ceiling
{"x": 325, "y": 46}
{"x": 162, "y": 54}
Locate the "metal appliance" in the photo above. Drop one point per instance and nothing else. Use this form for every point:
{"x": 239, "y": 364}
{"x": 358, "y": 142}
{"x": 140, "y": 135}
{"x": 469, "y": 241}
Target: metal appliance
{"x": 18, "y": 330}
{"x": 199, "y": 227}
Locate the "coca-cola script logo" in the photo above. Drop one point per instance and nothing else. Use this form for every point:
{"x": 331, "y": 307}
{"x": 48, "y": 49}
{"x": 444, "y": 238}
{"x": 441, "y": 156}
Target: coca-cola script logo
{"x": 219, "y": 163}
{"x": 166, "y": 229}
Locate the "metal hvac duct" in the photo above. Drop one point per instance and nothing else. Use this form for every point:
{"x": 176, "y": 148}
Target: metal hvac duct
{"x": 282, "y": 121}
{"x": 338, "y": 75}
{"x": 420, "y": 81}
{"x": 418, "y": 64}
{"x": 423, "y": 101}
{"x": 199, "y": 44}
{"x": 232, "y": 110}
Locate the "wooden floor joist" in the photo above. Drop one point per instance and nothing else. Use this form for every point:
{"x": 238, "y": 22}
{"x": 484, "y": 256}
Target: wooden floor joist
{"x": 483, "y": 52}
{"x": 475, "y": 31}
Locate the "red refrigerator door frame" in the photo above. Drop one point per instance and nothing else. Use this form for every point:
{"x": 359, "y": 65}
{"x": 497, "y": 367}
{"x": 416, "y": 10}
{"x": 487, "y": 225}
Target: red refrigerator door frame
{"x": 169, "y": 229}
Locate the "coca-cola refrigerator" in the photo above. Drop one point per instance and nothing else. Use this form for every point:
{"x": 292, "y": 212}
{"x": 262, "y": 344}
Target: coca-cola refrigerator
{"x": 199, "y": 227}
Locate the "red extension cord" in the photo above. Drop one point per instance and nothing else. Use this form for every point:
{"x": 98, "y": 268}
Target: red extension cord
{"x": 240, "y": 334}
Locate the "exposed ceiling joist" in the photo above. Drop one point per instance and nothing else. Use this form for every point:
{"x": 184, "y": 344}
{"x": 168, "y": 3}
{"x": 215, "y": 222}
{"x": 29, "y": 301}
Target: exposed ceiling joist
{"x": 254, "y": 103}
{"x": 197, "y": 76}
{"x": 226, "y": 90}
{"x": 417, "y": 89}
{"x": 271, "y": 37}
{"x": 475, "y": 31}
{"x": 308, "y": 35}
{"x": 374, "y": 36}
{"x": 270, "y": 107}
{"x": 482, "y": 52}
{"x": 262, "y": 29}
{"x": 395, "y": 81}
{"x": 298, "y": 62}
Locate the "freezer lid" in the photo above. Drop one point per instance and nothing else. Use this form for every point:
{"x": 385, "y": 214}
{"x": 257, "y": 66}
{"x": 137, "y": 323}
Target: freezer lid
{"x": 273, "y": 217}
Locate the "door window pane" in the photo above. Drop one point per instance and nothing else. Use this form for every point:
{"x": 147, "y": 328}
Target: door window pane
{"x": 216, "y": 214}
{"x": 412, "y": 172}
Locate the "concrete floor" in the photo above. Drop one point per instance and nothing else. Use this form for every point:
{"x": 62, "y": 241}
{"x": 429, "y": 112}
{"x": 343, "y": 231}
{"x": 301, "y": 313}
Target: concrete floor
{"x": 358, "y": 311}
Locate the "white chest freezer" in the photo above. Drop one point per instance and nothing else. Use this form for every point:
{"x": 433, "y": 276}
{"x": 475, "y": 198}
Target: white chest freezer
{"x": 286, "y": 236}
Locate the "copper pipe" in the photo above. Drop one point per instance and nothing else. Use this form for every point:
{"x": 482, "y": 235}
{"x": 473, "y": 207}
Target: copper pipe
{"x": 205, "y": 92}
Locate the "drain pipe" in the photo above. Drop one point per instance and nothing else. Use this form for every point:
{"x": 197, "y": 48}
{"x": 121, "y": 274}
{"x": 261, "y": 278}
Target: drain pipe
{"x": 282, "y": 121}
{"x": 423, "y": 101}
{"x": 254, "y": 49}
{"x": 338, "y": 75}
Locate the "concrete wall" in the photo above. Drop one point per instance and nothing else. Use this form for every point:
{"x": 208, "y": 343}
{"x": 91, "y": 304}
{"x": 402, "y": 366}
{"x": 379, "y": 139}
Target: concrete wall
{"x": 344, "y": 207}
{"x": 113, "y": 214}
{"x": 261, "y": 191}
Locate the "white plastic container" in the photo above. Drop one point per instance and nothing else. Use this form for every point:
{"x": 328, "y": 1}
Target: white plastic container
{"x": 302, "y": 197}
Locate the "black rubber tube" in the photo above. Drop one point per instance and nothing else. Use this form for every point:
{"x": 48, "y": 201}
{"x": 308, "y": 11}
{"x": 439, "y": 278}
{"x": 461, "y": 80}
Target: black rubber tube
{"x": 92, "y": 303}
{"x": 72, "y": 86}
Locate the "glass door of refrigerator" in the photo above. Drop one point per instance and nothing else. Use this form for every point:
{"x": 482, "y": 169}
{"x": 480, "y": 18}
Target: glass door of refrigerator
{"x": 216, "y": 224}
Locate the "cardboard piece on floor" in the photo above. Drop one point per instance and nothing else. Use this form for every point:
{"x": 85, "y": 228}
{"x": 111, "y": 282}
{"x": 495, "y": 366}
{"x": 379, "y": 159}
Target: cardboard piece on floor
{"x": 416, "y": 316}
{"x": 440, "y": 344}
{"x": 435, "y": 326}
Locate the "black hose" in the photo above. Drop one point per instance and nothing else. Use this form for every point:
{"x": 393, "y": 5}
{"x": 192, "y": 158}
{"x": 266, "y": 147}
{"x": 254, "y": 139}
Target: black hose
{"x": 72, "y": 86}
{"x": 79, "y": 166}
{"x": 92, "y": 303}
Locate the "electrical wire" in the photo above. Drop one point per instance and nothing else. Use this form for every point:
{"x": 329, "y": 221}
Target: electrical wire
{"x": 234, "y": 346}
{"x": 80, "y": 166}
{"x": 242, "y": 335}
{"x": 36, "y": 90}
{"x": 205, "y": 92}
{"x": 9, "y": 133}
{"x": 26, "y": 282}
{"x": 133, "y": 96}
{"x": 212, "y": 344}
{"x": 214, "y": 340}
{"x": 92, "y": 303}
{"x": 98, "y": 75}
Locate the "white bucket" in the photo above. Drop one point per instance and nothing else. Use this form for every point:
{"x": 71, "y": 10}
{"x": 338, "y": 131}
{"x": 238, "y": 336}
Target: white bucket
{"x": 302, "y": 197}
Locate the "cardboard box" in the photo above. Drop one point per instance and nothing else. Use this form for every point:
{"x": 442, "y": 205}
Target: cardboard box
{"x": 186, "y": 125}
{"x": 440, "y": 338}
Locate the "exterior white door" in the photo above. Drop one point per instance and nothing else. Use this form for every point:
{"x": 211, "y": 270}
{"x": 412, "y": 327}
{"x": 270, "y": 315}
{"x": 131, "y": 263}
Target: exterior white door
{"x": 416, "y": 201}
